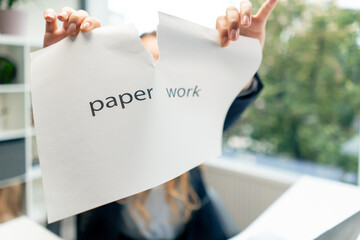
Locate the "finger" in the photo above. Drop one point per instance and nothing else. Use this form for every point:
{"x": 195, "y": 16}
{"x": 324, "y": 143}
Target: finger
{"x": 64, "y": 13}
{"x": 245, "y": 13}
{"x": 75, "y": 20}
{"x": 266, "y": 9}
{"x": 89, "y": 24}
{"x": 233, "y": 23}
{"x": 222, "y": 27}
{"x": 50, "y": 18}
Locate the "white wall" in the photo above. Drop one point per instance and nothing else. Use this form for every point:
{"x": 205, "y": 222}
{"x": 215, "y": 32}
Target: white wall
{"x": 35, "y": 14}
{"x": 98, "y": 9}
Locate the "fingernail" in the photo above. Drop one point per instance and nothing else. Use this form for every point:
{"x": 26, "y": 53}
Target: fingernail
{"x": 49, "y": 15}
{"x": 272, "y": 3}
{"x": 234, "y": 34}
{"x": 246, "y": 20}
{"x": 72, "y": 29}
{"x": 85, "y": 26}
{"x": 225, "y": 39}
{"x": 63, "y": 14}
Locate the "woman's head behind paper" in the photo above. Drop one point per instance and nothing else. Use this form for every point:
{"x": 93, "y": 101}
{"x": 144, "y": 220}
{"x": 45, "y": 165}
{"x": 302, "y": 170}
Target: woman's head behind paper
{"x": 150, "y": 43}
{"x": 179, "y": 188}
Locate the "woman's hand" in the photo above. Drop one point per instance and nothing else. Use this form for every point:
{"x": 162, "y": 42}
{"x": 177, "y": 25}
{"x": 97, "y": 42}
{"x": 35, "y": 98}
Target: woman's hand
{"x": 73, "y": 23}
{"x": 237, "y": 23}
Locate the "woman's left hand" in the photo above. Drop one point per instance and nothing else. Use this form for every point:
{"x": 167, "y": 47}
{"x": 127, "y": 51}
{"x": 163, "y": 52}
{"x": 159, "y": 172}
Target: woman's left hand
{"x": 243, "y": 23}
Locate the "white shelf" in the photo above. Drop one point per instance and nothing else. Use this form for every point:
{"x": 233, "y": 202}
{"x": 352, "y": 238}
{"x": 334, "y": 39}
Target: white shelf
{"x": 12, "y": 181}
{"x": 12, "y": 134}
{"x": 14, "y": 88}
{"x": 30, "y": 132}
{"x": 18, "y": 124}
{"x": 6, "y": 39}
{"x": 35, "y": 173}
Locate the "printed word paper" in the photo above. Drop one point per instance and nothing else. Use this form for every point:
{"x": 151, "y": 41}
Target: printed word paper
{"x": 110, "y": 123}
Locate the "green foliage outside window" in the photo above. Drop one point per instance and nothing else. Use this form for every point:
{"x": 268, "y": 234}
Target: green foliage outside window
{"x": 311, "y": 72}
{"x": 9, "y": 3}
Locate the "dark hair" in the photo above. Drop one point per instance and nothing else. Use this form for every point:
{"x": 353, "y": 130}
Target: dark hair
{"x": 153, "y": 33}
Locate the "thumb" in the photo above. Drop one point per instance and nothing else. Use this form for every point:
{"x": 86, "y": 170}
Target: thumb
{"x": 266, "y": 9}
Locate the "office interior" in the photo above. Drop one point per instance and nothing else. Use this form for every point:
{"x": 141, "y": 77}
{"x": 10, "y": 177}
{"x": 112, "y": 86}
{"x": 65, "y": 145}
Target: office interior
{"x": 289, "y": 167}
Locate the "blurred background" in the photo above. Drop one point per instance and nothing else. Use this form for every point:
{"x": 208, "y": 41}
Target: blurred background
{"x": 308, "y": 114}
{"x": 306, "y": 120}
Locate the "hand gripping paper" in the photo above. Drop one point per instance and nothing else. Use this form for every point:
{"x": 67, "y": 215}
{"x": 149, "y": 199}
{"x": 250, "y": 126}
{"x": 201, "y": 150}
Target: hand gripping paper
{"x": 110, "y": 124}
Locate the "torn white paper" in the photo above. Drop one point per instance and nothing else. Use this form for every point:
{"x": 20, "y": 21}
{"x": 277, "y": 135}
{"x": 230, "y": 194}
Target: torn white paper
{"x": 110, "y": 124}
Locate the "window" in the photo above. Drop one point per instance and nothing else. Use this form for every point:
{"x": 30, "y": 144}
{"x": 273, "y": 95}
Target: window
{"x": 308, "y": 113}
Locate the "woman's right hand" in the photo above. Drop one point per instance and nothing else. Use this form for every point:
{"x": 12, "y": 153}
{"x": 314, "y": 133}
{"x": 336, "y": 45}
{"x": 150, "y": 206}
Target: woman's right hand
{"x": 73, "y": 23}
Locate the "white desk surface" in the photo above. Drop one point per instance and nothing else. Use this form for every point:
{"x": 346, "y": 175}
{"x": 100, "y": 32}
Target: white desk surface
{"x": 307, "y": 209}
{"x": 22, "y": 228}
